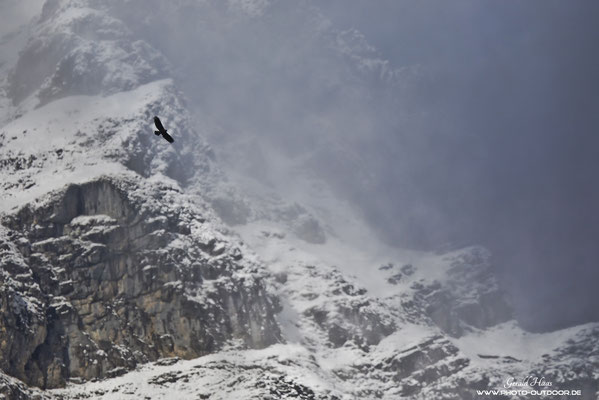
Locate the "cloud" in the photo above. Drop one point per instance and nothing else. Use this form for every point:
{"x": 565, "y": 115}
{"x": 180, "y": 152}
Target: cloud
{"x": 14, "y": 13}
{"x": 487, "y": 138}
{"x": 463, "y": 121}
{"x": 504, "y": 154}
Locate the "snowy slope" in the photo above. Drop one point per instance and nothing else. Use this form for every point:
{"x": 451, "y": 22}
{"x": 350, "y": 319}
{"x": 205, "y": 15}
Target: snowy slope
{"x": 51, "y": 146}
{"x": 131, "y": 268}
{"x": 381, "y": 351}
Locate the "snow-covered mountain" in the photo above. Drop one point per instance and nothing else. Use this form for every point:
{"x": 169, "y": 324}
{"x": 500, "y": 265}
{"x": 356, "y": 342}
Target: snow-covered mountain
{"x": 131, "y": 268}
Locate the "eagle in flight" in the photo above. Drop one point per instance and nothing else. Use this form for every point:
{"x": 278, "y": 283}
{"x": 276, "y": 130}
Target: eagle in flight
{"x": 162, "y": 131}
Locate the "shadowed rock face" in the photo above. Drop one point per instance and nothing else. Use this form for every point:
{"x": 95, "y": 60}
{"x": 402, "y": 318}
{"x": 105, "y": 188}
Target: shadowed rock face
{"x": 471, "y": 297}
{"x": 96, "y": 281}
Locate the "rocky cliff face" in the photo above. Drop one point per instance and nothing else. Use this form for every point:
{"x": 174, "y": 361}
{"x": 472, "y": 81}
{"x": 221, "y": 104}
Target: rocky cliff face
{"x": 106, "y": 278}
{"x": 117, "y": 266}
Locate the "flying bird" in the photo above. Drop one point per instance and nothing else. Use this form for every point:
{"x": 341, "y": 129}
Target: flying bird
{"x": 162, "y": 131}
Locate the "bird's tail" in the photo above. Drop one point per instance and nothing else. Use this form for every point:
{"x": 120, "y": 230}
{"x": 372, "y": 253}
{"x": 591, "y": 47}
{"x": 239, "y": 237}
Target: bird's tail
{"x": 156, "y": 133}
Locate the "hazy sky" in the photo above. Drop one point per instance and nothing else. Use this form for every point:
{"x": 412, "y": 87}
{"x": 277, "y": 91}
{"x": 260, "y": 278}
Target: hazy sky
{"x": 514, "y": 106}
{"x": 14, "y": 13}
{"x": 487, "y": 135}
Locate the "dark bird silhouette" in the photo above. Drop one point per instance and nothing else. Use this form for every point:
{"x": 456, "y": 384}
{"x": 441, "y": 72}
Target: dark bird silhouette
{"x": 162, "y": 131}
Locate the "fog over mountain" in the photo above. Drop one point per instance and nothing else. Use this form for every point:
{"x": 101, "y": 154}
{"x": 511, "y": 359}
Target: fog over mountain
{"x": 511, "y": 159}
{"x": 442, "y": 123}
{"x": 460, "y": 123}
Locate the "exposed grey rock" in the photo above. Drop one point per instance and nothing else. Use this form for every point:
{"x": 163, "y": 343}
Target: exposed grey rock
{"x": 12, "y": 389}
{"x": 109, "y": 279}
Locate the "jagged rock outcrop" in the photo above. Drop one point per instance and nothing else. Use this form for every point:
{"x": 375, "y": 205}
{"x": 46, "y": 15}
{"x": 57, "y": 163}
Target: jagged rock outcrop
{"x": 405, "y": 372}
{"x": 470, "y": 297}
{"x": 106, "y": 277}
{"x": 463, "y": 294}
{"x": 344, "y": 312}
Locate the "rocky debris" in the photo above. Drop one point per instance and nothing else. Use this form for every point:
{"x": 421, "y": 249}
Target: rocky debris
{"x": 168, "y": 377}
{"x": 282, "y": 387}
{"x": 167, "y": 361}
{"x": 97, "y": 280}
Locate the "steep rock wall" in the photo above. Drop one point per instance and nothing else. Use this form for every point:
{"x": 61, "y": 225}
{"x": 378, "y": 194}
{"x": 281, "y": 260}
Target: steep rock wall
{"x": 96, "y": 281}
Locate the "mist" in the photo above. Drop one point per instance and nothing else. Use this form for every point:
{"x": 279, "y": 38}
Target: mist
{"x": 512, "y": 157}
{"x": 444, "y": 124}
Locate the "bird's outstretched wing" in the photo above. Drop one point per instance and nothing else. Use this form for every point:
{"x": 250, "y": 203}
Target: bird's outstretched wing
{"x": 159, "y": 125}
{"x": 162, "y": 131}
{"x": 168, "y": 137}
